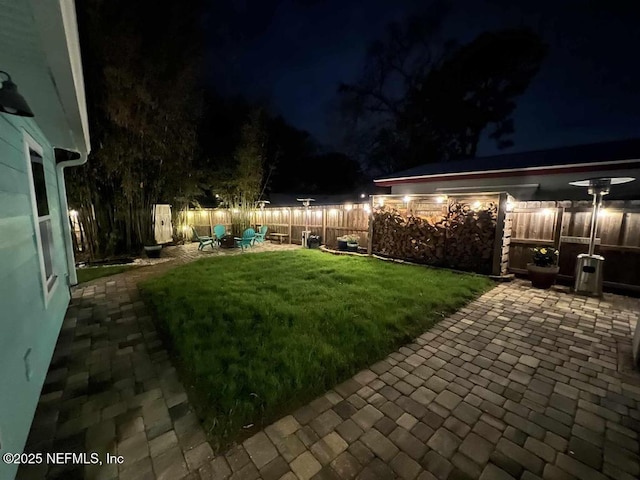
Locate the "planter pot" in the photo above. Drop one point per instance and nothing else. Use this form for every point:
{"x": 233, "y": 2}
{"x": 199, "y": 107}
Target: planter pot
{"x": 153, "y": 251}
{"x": 342, "y": 245}
{"x": 542, "y": 277}
{"x": 352, "y": 247}
{"x": 313, "y": 241}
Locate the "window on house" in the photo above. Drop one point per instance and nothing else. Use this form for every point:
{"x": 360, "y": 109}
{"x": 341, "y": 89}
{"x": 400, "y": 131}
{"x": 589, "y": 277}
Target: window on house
{"x": 44, "y": 233}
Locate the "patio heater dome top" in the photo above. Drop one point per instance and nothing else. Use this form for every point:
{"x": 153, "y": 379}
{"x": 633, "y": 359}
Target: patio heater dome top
{"x": 306, "y": 201}
{"x": 601, "y": 185}
{"x": 613, "y": 180}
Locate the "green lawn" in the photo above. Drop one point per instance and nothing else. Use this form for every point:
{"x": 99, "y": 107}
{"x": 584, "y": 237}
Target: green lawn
{"x": 91, "y": 273}
{"x": 258, "y": 335}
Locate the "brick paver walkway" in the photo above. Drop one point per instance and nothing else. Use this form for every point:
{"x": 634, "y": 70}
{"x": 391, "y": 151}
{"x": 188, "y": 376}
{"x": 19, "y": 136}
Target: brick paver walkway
{"x": 521, "y": 384}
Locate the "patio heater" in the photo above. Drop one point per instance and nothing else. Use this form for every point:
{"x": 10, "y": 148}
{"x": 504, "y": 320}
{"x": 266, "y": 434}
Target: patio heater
{"x": 305, "y": 233}
{"x": 588, "y": 274}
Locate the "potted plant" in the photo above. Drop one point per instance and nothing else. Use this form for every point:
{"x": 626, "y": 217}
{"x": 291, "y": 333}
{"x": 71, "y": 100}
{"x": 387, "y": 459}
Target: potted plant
{"x": 342, "y": 243}
{"x": 313, "y": 241}
{"x": 352, "y": 242}
{"x": 152, "y": 249}
{"x": 544, "y": 267}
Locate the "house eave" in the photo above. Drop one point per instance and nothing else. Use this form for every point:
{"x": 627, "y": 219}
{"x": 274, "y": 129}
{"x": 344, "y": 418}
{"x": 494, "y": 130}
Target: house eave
{"x": 57, "y": 25}
{"x": 513, "y": 172}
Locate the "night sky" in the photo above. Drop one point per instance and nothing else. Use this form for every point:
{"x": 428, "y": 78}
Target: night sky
{"x": 292, "y": 54}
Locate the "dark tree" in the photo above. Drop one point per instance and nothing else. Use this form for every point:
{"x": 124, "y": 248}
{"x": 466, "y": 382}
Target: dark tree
{"x": 416, "y": 103}
{"x": 141, "y": 64}
{"x": 291, "y": 150}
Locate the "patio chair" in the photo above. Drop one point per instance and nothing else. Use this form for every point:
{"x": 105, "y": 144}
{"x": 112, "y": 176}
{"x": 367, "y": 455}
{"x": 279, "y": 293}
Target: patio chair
{"x": 204, "y": 241}
{"x": 261, "y": 234}
{"x": 219, "y": 232}
{"x": 248, "y": 238}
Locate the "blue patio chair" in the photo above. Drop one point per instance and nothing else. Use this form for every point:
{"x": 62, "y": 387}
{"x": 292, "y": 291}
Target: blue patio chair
{"x": 261, "y": 233}
{"x": 219, "y": 232}
{"x": 204, "y": 241}
{"x": 248, "y": 238}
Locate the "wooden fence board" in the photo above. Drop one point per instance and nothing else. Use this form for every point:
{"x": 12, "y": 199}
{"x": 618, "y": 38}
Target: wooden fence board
{"x": 618, "y": 233}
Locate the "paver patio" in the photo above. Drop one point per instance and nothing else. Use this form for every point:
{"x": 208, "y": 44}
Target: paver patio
{"x": 521, "y": 384}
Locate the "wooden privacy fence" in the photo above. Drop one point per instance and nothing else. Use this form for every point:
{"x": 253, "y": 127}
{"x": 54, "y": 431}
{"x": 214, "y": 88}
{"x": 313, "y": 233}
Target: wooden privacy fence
{"x": 485, "y": 233}
{"x": 566, "y": 226}
{"x": 328, "y": 221}
{"x": 462, "y": 232}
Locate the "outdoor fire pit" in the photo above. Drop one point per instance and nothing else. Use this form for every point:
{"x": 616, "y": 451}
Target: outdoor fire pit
{"x": 228, "y": 241}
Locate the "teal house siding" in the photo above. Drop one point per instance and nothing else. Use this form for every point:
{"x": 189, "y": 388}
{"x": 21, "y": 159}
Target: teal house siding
{"x": 40, "y": 53}
{"x": 29, "y": 326}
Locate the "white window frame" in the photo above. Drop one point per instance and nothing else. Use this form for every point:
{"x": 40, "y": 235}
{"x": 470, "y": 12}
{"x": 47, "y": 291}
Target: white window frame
{"x": 50, "y": 284}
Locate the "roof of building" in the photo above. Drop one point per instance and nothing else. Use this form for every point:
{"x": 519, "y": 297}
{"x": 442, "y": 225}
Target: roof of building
{"x": 605, "y": 153}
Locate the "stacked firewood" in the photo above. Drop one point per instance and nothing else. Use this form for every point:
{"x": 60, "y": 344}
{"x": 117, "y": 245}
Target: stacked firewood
{"x": 410, "y": 238}
{"x": 463, "y": 239}
{"x": 470, "y": 237}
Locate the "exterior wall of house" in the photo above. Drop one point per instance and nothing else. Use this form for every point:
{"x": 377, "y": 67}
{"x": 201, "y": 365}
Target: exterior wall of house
{"x": 29, "y": 322}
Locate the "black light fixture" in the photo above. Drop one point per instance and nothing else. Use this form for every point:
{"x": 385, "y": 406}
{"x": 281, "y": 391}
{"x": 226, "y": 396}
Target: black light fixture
{"x": 10, "y": 100}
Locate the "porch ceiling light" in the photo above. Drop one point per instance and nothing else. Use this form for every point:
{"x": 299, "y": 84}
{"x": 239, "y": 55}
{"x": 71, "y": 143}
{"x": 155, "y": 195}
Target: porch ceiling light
{"x": 10, "y": 99}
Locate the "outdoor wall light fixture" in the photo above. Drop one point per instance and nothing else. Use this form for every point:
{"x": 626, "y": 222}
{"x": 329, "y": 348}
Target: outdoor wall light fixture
{"x": 440, "y": 199}
{"x": 348, "y": 207}
{"x": 406, "y": 198}
{"x": 603, "y": 213}
{"x": 10, "y": 99}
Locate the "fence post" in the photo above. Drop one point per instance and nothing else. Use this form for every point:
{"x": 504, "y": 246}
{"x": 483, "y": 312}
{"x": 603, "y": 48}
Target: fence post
{"x": 324, "y": 225}
{"x": 370, "y": 226}
{"x": 557, "y": 234}
{"x": 498, "y": 241}
{"x": 290, "y": 221}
